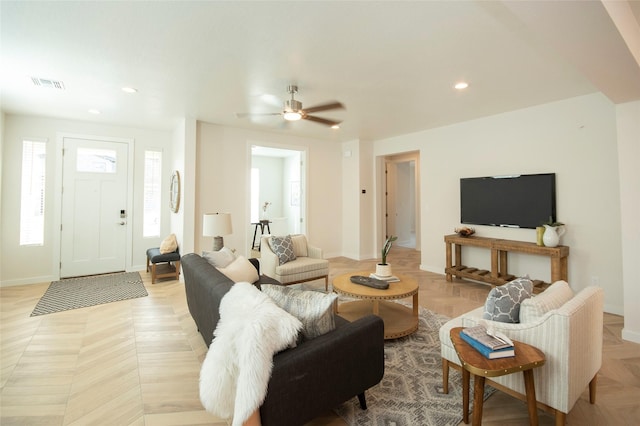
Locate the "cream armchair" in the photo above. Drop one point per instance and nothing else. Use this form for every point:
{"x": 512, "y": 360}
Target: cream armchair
{"x": 308, "y": 265}
{"x": 566, "y": 328}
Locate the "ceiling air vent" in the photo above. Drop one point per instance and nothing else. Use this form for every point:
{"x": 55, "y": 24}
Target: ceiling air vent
{"x": 45, "y": 82}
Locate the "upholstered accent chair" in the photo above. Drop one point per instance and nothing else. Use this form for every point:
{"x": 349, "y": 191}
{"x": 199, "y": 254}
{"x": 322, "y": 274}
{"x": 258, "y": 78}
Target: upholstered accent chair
{"x": 567, "y": 328}
{"x": 303, "y": 263}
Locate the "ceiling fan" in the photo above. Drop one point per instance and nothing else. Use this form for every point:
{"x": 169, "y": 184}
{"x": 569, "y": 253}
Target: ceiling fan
{"x": 293, "y": 111}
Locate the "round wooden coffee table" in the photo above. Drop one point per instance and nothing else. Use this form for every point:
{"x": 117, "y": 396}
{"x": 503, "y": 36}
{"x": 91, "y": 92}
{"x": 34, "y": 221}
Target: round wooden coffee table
{"x": 399, "y": 320}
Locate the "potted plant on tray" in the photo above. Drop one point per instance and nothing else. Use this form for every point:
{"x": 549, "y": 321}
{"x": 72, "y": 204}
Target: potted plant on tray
{"x": 383, "y": 269}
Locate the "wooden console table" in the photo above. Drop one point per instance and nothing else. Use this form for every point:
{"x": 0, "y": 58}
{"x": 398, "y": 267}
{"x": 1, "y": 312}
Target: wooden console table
{"x": 499, "y": 248}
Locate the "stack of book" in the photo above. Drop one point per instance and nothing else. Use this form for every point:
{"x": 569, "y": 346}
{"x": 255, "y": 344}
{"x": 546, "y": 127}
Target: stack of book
{"x": 389, "y": 279}
{"x": 491, "y": 347}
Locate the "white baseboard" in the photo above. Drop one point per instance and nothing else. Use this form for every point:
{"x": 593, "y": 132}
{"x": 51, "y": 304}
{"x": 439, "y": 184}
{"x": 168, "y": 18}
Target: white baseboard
{"x": 631, "y": 335}
{"x": 431, "y": 268}
{"x": 28, "y": 281}
{"x": 613, "y": 309}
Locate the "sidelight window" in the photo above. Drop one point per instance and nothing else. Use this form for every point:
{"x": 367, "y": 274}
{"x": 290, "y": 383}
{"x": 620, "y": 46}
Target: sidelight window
{"x": 152, "y": 193}
{"x": 32, "y": 192}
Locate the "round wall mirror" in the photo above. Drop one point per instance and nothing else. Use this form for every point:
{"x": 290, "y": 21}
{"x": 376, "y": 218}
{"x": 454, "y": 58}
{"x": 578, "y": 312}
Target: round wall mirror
{"x": 175, "y": 192}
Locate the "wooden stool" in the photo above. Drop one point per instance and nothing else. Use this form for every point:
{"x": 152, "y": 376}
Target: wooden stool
{"x": 154, "y": 257}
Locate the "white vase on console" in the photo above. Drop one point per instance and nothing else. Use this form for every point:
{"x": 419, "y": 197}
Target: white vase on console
{"x": 552, "y": 234}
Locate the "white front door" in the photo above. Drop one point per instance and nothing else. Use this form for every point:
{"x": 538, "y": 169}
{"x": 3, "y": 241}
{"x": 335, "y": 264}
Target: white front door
{"x": 94, "y": 202}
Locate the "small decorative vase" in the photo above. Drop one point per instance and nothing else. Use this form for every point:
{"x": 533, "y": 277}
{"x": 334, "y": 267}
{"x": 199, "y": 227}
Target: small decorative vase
{"x": 383, "y": 270}
{"x": 539, "y": 235}
{"x": 552, "y": 235}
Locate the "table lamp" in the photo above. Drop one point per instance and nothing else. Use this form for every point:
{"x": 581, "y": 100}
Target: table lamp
{"x": 216, "y": 225}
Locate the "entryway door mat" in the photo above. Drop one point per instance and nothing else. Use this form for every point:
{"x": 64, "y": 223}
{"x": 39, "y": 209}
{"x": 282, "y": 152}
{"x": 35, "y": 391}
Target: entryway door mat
{"x": 74, "y": 293}
{"x": 410, "y": 392}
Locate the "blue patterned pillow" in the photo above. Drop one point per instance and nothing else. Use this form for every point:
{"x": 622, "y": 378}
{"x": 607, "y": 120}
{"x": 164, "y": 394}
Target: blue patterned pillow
{"x": 503, "y": 302}
{"x": 283, "y": 248}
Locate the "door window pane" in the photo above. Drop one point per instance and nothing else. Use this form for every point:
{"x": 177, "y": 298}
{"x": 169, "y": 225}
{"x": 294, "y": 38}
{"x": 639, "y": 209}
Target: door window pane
{"x": 96, "y": 160}
{"x": 32, "y": 192}
{"x": 152, "y": 193}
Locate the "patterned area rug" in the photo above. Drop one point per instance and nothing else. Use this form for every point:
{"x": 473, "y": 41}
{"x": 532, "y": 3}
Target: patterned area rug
{"x": 74, "y": 293}
{"x": 410, "y": 392}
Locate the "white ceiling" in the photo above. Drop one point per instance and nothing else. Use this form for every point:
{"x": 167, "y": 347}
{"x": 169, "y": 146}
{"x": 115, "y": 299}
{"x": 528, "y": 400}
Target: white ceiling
{"x": 391, "y": 63}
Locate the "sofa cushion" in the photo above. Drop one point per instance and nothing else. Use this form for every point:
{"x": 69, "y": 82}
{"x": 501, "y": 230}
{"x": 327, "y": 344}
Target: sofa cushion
{"x": 503, "y": 302}
{"x": 300, "y": 245}
{"x": 169, "y": 244}
{"x": 283, "y": 248}
{"x": 240, "y": 270}
{"x": 312, "y": 308}
{"x": 555, "y": 296}
{"x": 221, "y": 258}
{"x": 155, "y": 257}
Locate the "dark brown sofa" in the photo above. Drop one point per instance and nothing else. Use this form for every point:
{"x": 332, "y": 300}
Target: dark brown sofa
{"x": 310, "y": 379}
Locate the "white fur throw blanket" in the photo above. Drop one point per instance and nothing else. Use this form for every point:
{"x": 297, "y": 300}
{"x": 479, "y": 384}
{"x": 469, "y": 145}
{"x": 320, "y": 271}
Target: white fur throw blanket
{"x": 236, "y": 371}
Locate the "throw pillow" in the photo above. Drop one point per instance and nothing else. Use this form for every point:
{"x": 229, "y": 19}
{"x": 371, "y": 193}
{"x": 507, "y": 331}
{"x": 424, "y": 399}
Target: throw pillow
{"x": 221, "y": 258}
{"x": 555, "y": 296}
{"x": 169, "y": 244}
{"x": 312, "y": 308}
{"x": 300, "y": 245}
{"x": 283, "y": 248}
{"x": 503, "y": 302}
{"x": 241, "y": 270}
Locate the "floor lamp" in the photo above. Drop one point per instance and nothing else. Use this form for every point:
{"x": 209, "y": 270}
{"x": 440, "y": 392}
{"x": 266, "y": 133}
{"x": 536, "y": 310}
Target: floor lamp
{"x": 216, "y": 225}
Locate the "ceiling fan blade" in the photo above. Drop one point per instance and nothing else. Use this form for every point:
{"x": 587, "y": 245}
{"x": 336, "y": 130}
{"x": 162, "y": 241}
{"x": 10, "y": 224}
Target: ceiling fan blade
{"x": 325, "y": 107}
{"x": 255, "y": 114}
{"x": 321, "y": 120}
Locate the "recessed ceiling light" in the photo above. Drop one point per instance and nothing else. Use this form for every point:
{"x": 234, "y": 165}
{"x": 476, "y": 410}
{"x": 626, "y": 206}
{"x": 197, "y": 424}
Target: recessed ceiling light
{"x": 130, "y": 90}
{"x": 94, "y": 111}
{"x": 461, "y": 85}
{"x": 335, "y": 126}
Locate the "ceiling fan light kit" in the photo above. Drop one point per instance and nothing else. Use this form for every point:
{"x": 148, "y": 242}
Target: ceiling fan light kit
{"x": 293, "y": 111}
{"x": 292, "y": 116}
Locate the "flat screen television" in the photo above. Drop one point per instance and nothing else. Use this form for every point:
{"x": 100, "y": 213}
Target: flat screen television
{"x": 517, "y": 201}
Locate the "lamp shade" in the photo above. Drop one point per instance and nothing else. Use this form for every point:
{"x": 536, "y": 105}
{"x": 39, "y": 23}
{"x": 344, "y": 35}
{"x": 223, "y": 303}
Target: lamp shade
{"x": 216, "y": 224}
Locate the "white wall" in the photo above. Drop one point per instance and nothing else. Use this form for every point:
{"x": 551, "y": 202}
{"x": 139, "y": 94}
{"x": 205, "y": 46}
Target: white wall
{"x": 628, "y": 154}
{"x": 189, "y": 146}
{"x": 175, "y": 162}
{"x": 271, "y": 184}
{"x": 575, "y": 138}
{"x": 351, "y": 196}
{"x": 291, "y": 214}
{"x": 223, "y": 184}
{"x": 34, "y": 264}
{"x": 367, "y": 216}
{"x": 358, "y": 208}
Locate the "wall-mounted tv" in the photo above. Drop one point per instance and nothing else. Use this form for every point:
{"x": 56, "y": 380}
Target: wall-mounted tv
{"x": 518, "y": 201}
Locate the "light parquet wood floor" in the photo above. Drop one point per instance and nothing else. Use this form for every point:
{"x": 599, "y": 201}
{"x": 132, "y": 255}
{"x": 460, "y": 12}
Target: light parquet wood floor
{"x": 137, "y": 362}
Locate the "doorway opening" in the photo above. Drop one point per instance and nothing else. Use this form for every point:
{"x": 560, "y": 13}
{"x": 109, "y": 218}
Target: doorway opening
{"x": 277, "y": 191}
{"x": 401, "y": 198}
